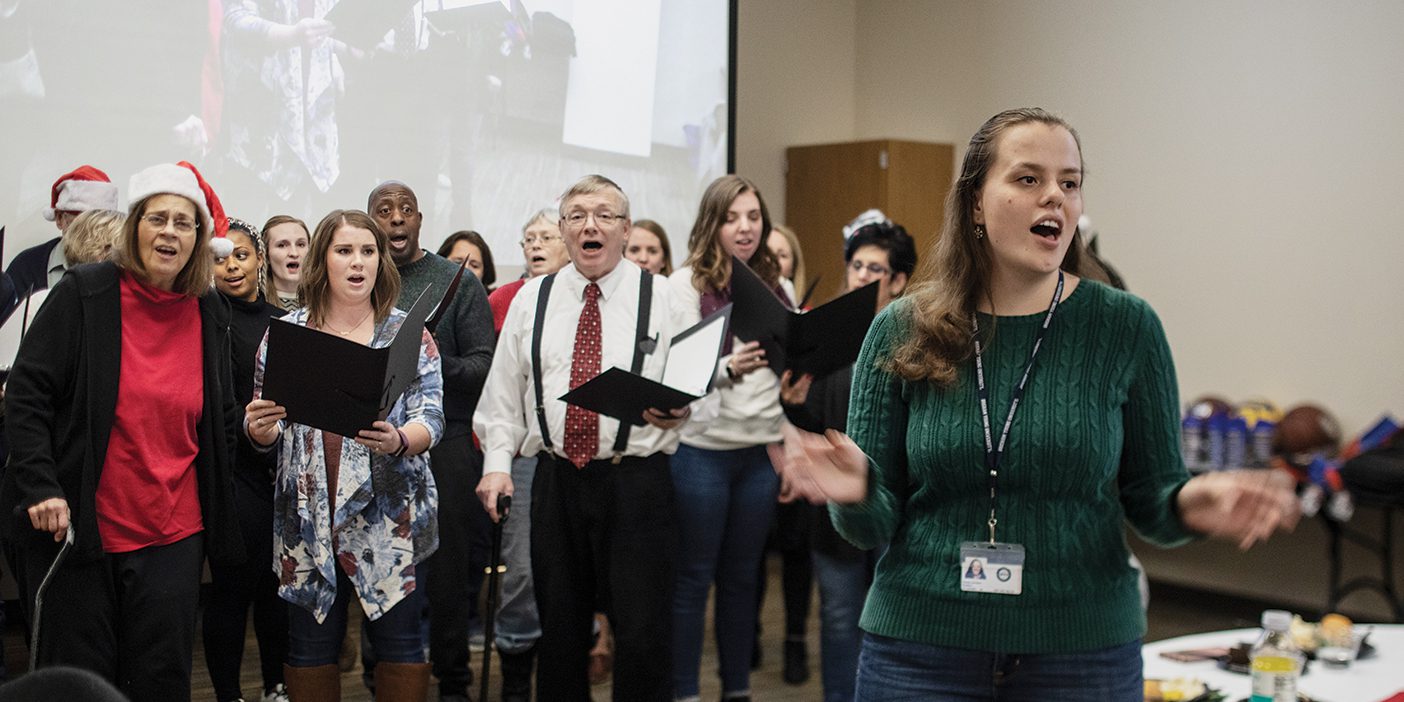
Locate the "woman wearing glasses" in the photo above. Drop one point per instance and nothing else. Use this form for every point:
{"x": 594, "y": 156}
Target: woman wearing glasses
{"x": 545, "y": 253}
{"x": 722, "y": 477}
{"x": 121, "y": 418}
{"x": 883, "y": 252}
{"x": 354, "y": 515}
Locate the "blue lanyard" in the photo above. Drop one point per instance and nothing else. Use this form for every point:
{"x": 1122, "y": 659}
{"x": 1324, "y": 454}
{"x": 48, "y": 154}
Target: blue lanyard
{"x": 994, "y": 454}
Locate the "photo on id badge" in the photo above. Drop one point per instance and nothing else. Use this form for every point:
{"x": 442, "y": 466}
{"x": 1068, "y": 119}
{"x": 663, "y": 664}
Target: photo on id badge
{"x": 996, "y": 568}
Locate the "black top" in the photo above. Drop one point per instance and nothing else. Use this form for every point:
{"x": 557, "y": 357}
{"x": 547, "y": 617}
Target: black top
{"x": 248, "y": 322}
{"x": 826, "y": 407}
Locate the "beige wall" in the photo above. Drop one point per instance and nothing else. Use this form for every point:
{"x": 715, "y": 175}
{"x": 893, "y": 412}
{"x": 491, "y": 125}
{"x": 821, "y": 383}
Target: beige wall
{"x": 1242, "y": 156}
{"x": 796, "y": 79}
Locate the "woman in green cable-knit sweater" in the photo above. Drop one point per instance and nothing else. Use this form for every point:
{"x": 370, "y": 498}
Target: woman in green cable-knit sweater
{"x": 1093, "y": 443}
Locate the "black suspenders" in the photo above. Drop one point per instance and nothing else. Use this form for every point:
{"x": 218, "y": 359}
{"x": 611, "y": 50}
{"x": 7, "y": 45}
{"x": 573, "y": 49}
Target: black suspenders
{"x": 643, "y": 344}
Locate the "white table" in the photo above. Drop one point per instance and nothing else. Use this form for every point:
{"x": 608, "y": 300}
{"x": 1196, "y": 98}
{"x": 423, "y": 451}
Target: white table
{"x": 1370, "y": 680}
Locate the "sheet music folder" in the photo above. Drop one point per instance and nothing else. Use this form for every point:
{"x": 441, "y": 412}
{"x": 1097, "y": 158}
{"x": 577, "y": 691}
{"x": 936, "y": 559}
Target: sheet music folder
{"x": 362, "y": 23}
{"x": 336, "y": 384}
{"x": 687, "y": 375}
{"x": 817, "y": 342}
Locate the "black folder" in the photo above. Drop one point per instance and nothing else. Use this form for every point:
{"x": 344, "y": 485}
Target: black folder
{"x": 687, "y": 375}
{"x": 817, "y": 342}
{"x": 362, "y": 23}
{"x": 338, "y": 385}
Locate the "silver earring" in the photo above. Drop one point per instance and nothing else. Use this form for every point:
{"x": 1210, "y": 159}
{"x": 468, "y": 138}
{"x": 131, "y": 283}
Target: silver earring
{"x": 979, "y": 231}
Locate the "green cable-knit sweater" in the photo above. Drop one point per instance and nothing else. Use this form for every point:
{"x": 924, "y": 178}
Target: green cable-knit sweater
{"x": 1095, "y": 442}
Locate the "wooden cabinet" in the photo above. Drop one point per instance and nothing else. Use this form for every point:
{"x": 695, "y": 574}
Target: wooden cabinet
{"x": 827, "y": 185}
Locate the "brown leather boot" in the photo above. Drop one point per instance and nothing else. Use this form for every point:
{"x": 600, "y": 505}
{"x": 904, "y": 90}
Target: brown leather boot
{"x": 318, "y": 683}
{"x": 401, "y": 682}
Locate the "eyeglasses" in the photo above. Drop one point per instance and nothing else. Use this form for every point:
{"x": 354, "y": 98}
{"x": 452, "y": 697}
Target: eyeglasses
{"x": 875, "y": 269}
{"x": 576, "y": 220}
{"x": 159, "y": 222}
{"x": 530, "y": 239}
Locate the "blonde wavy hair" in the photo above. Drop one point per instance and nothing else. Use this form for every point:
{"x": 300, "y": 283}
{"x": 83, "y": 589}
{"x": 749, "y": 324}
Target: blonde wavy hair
{"x": 92, "y": 236}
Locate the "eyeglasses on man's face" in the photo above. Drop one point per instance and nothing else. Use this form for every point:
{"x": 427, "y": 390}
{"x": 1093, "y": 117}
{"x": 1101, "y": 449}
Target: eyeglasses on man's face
{"x": 873, "y": 268}
{"x": 531, "y": 239}
{"x": 159, "y": 222}
{"x": 603, "y": 218}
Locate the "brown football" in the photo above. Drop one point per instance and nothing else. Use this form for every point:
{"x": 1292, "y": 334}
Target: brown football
{"x": 1307, "y": 429}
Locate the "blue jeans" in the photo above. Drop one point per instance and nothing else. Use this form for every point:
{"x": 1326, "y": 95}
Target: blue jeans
{"x": 398, "y": 635}
{"x": 724, "y": 502}
{"x": 891, "y": 669}
{"x": 843, "y": 587}
{"x": 518, "y": 625}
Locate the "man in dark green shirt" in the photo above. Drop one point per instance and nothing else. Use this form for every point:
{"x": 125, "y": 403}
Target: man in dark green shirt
{"x": 465, "y": 340}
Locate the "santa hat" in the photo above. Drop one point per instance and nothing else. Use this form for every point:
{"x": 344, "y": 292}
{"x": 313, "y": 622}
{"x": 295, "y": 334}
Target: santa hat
{"x": 85, "y": 188}
{"x": 184, "y": 180}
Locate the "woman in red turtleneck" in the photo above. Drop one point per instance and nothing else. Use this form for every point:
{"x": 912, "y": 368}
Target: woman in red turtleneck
{"x": 121, "y": 418}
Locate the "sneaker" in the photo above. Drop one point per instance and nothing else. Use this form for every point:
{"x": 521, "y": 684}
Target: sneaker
{"x": 279, "y": 693}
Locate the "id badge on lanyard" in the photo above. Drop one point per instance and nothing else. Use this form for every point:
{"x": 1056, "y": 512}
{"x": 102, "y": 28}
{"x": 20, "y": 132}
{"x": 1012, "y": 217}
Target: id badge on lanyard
{"x": 993, "y": 566}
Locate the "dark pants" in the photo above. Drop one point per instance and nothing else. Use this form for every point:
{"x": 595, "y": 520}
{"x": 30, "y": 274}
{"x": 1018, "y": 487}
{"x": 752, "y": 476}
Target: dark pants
{"x": 396, "y": 634}
{"x": 604, "y": 536}
{"x": 129, "y": 617}
{"x": 453, "y": 575}
{"x": 233, "y": 589}
{"x": 456, "y": 570}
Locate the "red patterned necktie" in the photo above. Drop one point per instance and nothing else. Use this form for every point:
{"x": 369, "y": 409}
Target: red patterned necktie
{"x": 582, "y": 430}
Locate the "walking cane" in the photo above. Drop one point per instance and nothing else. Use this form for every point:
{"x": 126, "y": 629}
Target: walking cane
{"x": 494, "y": 571}
{"x": 39, "y": 596}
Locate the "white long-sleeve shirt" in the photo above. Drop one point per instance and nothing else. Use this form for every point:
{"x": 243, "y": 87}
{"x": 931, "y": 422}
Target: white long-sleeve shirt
{"x": 506, "y": 421}
{"x": 748, "y": 409}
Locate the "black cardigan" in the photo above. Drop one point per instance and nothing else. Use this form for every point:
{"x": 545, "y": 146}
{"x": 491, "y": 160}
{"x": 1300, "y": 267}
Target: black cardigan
{"x": 60, "y": 404}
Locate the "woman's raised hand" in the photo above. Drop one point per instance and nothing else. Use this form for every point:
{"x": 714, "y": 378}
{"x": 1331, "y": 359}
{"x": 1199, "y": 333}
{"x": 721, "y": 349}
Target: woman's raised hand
{"x": 1244, "y": 506}
{"x": 820, "y": 468}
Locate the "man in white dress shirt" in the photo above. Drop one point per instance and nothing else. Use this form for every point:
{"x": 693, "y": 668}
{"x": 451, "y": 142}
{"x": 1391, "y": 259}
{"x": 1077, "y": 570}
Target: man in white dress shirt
{"x": 602, "y": 532}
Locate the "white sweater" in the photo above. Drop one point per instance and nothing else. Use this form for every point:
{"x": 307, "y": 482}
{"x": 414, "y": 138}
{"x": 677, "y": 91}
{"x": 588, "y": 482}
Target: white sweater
{"x": 750, "y": 413}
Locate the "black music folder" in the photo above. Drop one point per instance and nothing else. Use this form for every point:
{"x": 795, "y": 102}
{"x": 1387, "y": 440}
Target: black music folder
{"x": 362, "y": 23}
{"x": 817, "y": 342}
{"x": 687, "y": 375}
{"x": 336, "y": 384}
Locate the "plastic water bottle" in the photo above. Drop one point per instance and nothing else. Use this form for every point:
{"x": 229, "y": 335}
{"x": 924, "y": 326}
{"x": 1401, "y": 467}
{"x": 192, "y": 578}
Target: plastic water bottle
{"x": 1276, "y": 660}
{"x": 1192, "y": 442}
{"x": 1217, "y": 443}
{"x": 1236, "y": 443}
{"x": 1263, "y": 433}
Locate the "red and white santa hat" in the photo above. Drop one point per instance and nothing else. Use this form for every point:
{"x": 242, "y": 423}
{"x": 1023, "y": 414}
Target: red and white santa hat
{"x": 184, "y": 180}
{"x": 85, "y": 188}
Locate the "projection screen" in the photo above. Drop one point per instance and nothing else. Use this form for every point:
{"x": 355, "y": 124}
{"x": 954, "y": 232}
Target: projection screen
{"x": 488, "y": 109}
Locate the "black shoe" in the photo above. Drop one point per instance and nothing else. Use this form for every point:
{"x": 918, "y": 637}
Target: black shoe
{"x": 516, "y": 675}
{"x": 796, "y": 663}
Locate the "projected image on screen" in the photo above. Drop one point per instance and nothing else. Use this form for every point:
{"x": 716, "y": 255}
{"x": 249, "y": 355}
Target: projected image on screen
{"x": 488, "y": 109}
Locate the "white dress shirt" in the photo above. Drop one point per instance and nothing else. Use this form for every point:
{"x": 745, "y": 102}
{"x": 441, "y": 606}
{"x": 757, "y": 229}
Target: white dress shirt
{"x": 506, "y": 420}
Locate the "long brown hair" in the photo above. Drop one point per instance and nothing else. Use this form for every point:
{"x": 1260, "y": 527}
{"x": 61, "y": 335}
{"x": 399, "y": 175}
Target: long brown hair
{"x": 711, "y": 266}
{"x": 195, "y": 278}
{"x": 956, "y": 274}
{"x": 314, "y": 287}
{"x": 270, "y": 290}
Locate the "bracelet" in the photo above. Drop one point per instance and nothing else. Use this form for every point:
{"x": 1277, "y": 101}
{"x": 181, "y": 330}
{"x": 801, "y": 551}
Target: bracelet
{"x": 404, "y": 443}
{"x": 729, "y": 372}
